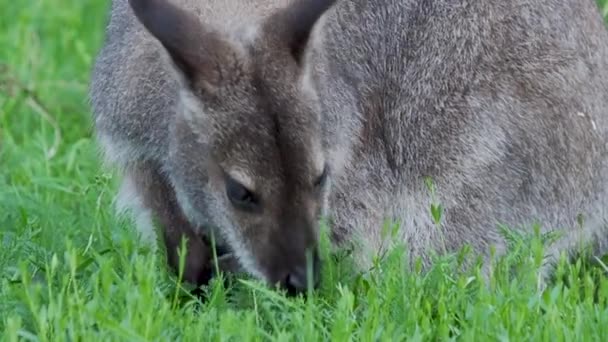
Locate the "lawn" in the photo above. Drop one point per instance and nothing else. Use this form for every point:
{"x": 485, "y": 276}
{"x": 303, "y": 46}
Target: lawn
{"x": 71, "y": 271}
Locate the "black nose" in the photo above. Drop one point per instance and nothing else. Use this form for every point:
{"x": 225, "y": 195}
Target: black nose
{"x": 297, "y": 280}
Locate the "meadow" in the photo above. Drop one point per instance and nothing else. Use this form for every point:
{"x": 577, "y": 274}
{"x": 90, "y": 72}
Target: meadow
{"x": 70, "y": 270}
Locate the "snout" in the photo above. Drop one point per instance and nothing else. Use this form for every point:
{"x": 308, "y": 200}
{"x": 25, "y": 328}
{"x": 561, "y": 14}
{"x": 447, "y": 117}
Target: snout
{"x": 300, "y": 276}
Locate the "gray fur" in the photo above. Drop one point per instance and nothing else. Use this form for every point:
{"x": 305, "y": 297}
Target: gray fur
{"x": 502, "y": 103}
{"x": 134, "y": 91}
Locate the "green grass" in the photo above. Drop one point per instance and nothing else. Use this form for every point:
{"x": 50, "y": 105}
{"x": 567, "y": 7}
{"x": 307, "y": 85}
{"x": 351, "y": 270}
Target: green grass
{"x": 69, "y": 270}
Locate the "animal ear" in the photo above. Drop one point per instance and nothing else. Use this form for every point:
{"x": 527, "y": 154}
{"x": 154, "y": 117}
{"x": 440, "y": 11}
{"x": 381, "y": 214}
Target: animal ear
{"x": 294, "y": 24}
{"x": 195, "y": 50}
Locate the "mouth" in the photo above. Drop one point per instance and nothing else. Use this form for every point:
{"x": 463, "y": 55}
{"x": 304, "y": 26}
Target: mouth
{"x": 227, "y": 262}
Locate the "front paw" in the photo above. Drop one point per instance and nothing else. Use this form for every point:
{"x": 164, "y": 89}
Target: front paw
{"x": 226, "y": 263}
{"x": 197, "y": 257}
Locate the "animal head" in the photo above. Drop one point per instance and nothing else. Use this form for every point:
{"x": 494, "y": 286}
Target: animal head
{"x": 246, "y": 151}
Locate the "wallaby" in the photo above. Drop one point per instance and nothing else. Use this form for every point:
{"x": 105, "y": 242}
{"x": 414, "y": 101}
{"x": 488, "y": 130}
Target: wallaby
{"x": 135, "y": 95}
{"x": 344, "y": 108}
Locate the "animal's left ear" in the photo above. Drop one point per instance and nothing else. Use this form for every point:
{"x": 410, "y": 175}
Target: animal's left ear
{"x": 294, "y": 24}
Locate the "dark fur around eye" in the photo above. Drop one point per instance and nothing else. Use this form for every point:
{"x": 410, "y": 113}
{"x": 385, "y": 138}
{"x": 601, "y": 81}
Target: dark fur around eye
{"x": 241, "y": 197}
{"x": 320, "y": 181}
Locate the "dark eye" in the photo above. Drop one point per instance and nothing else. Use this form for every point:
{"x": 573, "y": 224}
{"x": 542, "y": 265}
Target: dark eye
{"x": 240, "y": 196}
{"x": 320, "y": 181}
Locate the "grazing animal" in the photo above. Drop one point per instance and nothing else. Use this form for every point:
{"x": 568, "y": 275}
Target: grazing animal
{"x": 345, "y": 107}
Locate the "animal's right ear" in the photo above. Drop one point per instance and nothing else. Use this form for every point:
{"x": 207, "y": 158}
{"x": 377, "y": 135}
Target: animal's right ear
{"x": 293, "y": 25}
{"x": 195, "y": 50}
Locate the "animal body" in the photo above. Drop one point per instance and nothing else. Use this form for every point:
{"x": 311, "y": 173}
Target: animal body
{"x": 259, "y": 125}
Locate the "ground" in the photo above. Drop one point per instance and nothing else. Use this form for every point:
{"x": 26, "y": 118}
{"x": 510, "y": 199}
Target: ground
{"x": 70, "y": 270}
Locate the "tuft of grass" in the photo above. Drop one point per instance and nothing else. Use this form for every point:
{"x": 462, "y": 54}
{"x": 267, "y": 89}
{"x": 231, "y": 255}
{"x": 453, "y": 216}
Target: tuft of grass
{"x": 70, "y": 270}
